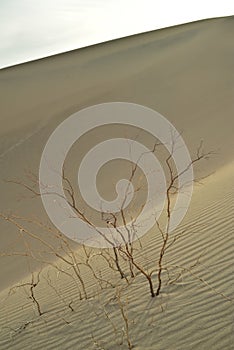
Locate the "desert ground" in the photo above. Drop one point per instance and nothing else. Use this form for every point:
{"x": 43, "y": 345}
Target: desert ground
{"x": 56, "y": 294}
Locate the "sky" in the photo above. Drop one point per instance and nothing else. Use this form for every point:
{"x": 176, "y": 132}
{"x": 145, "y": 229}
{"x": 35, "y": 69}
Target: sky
{"x": 32, "y": 29}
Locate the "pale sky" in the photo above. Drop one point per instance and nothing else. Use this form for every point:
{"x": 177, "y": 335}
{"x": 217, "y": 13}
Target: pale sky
{"x": 31, "y": 29}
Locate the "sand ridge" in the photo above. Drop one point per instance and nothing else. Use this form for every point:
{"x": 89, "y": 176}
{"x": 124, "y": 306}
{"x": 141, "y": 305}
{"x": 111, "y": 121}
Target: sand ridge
{"x": 186, "y": 74}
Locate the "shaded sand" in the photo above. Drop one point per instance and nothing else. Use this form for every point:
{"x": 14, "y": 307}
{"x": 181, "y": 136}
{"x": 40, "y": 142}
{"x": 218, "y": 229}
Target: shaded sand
{"x": 187, "y": 74}
{"x": 184, "y": 72}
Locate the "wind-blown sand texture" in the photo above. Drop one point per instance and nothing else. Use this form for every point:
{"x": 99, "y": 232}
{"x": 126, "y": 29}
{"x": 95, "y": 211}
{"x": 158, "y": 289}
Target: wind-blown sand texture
{"x": 187, "y": 74}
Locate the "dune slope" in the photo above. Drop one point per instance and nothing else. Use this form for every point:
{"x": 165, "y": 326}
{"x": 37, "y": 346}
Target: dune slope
{"x": 187, "y": 74}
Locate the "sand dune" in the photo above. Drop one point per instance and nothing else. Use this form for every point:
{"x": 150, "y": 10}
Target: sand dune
{"x": 186, "y": 74}
{"x": 188, "y": 315}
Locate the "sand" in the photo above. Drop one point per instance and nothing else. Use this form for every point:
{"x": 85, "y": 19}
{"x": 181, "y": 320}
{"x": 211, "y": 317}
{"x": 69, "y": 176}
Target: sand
{"x": 186, "y": 74}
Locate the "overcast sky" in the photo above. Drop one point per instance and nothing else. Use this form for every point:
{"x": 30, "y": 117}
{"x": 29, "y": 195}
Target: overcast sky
{"x": 31, "y": 29}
